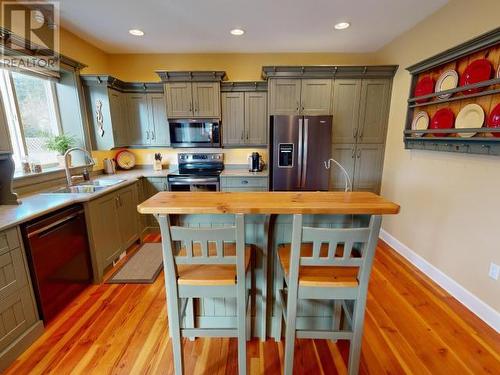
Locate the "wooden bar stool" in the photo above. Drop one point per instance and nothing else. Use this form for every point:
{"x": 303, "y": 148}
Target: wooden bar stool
{"x": 326, "y": 264}
{"x": 205, "y": 263}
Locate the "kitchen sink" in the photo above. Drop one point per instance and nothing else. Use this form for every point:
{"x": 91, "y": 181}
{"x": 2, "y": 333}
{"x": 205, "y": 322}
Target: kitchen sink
{"x": 88, "y": 187}
{"x": 105, "y": 182}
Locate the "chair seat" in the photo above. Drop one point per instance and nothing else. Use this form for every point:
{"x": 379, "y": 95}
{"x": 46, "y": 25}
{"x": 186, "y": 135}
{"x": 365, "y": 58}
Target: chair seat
{"x": 319, "y": 276}
{"x": 211, "y": 274}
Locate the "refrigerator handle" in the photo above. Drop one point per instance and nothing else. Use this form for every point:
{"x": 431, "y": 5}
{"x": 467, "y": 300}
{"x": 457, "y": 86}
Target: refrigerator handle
{"x": 305, "y": 153}
{"x": 299, "y": 152}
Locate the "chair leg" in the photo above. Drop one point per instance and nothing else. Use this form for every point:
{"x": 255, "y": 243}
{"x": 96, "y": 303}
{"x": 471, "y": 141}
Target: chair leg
{"x": 291, "y": 315}
{"x": 355, "y": 344}
{"x": 278, "y": 313}
{"x": 337, "y": 312}
{"x": 241, "y": 321}
{"x": 190, "y": 315}
{"x": 175, "y": 330}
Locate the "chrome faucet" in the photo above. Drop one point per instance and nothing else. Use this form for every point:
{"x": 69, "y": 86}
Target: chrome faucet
{"x": 85, "y": 174}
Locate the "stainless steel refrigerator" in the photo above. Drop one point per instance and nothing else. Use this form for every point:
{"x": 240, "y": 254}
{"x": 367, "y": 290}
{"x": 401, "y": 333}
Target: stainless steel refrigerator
{"x": 300, "y": 146}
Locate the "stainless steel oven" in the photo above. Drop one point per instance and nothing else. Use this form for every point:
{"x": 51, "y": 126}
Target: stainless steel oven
{"x": 195, "y": 133}
{"x": 197, "y": 172}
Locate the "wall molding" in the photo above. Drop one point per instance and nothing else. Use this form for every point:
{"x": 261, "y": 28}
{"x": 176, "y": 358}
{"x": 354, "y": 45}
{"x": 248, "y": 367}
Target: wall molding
{"x": 480, "y": 308}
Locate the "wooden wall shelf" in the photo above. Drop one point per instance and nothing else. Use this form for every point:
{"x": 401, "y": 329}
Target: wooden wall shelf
{"x": 457, "y": 58}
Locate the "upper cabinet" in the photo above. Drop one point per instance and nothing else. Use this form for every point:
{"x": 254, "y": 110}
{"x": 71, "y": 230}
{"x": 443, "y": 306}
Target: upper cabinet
{"x": 244, "y": 113}
{"x": 125, "y": 114}
{"x": 192, "y": 94}
{"x": 360, "y": 110}
{"x": 300, "y": 96}
{"x": 193, "y": 99}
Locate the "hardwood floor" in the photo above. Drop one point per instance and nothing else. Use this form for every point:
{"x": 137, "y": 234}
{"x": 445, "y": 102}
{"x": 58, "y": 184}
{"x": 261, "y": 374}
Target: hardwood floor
{"x": 412, "y": 326}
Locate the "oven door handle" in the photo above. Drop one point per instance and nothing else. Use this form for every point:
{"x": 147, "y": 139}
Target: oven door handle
{"x": 193, "y": 181}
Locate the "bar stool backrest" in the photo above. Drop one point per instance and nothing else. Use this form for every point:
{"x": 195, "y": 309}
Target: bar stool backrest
{"x": 363, "y": 240}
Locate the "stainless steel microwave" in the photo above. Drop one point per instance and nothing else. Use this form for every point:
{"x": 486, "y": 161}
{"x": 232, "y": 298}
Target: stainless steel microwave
{"x": 195, "y": 133}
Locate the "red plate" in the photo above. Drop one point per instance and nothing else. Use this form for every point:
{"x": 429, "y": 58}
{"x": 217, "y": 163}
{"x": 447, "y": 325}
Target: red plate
{"x": 424, "y": 87}
{"x": 477, "y": 71}
{"x": 442, "y": 119}
{"x": 494, "y": 119}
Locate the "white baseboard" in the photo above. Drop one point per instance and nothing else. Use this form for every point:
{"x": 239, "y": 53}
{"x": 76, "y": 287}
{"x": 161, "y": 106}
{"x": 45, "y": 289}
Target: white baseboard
{"x": 484, "y": 311}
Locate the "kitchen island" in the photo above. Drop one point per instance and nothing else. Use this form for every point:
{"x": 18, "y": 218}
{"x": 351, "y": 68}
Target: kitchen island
{"x": 268, "y": 222}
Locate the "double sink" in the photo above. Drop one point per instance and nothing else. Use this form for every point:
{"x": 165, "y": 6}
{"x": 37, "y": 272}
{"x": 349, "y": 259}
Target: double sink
{"x": 88, "y": 187}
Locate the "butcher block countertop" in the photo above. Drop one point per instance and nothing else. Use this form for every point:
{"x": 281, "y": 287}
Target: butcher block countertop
{"x": 360, "y": 203}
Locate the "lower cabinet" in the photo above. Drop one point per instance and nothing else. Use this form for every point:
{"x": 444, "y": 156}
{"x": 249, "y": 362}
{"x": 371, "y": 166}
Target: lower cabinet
{"x": 241, "y": 184}
{"x": 151, "y": 186}
{"x": 113, "y": 225}
{"x": 363, "y": 163}
{"x": 20, "y": 325}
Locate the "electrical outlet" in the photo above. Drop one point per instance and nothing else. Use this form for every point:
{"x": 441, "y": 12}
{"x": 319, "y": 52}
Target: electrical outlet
{"x": 494, "y": 271}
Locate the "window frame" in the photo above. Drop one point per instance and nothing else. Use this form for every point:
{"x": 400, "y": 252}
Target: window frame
{"x": 15, "y": 124}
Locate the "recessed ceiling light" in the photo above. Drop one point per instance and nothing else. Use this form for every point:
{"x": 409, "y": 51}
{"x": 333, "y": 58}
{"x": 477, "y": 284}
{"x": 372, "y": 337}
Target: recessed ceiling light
{"x": 342, "y": 25}
{"x": 136, "y": 32}
{"x": 237, "y": 32}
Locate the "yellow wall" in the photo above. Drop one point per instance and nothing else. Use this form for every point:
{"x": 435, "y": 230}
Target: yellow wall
{"x": 450, "y": 203}
{"x": 239, "y": 67}
{"x": 84, "y": 52}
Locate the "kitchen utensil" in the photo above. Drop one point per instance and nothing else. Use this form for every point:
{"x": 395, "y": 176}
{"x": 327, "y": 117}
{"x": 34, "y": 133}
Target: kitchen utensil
{"x": 446, "y": 81}
{"x": 424, "y": 87}
{"x": 420, "y": 122}
{"x": 477, "y": 71}
{"x": 494, "y": 119}
{"x": 470, "y": 116}
{"x": 157, "y": 162}
{"x": 125, "y": 159}
{"x": 442, "y": 119}
{"x": 109, "y": 166}
{"x": 255, "y": 162}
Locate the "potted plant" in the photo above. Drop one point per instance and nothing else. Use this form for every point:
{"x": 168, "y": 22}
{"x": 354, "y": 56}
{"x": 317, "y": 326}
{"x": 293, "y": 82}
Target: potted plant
{"x": 61, "y": 144}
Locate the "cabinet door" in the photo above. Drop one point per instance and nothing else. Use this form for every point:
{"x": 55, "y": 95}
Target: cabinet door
{"x": 5, "y": 146}
{"x": 179, "y": 100}
{"x": 106, "y": 238}
{"x": 285, "y": 96}
{"x": 206, "y": 99}
{"x": 128, "y": 216}
{"x": 138, "y": 118}
{"x": 345, "y": 155}
{"x": 374, "y": 110}
{"x": 368, "y": 169}
{"x": 346, "y": 99}
{"x": 117, "y": 108}
{"x": 159, "y": 132}
{"x": 233, "y": 118}
{"x": 316, "y": 97}
{"x": 256, "y": 118}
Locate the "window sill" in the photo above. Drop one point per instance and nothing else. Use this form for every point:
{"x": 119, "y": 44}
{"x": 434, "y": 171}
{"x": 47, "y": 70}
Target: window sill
{"x": 19, "y": 175}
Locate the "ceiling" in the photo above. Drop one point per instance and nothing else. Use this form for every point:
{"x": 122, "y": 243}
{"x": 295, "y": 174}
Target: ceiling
{"x": 187, "y": 26}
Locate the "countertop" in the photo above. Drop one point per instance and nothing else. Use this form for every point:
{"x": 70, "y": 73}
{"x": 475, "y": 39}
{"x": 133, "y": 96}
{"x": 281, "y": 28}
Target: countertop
{"x": 38, "y": 204}
{"x": 358, "y": 203}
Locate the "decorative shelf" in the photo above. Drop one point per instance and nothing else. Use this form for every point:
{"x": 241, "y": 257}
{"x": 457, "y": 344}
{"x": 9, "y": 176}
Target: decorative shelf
{"x": 116, "y": 84}
{"x": 457, "y": 58}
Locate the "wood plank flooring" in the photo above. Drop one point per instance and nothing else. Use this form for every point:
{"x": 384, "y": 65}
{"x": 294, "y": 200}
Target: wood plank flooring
{"x": 412, "y": 326}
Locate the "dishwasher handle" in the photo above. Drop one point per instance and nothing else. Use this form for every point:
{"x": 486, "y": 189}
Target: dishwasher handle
{"x": 46, "y": 230}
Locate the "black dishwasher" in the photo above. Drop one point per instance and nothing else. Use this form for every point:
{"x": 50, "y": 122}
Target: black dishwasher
{"x": 58, "y": 255}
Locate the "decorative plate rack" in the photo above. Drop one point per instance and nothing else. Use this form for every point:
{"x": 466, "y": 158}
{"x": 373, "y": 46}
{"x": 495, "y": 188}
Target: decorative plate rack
{"x": 435, "y": 78}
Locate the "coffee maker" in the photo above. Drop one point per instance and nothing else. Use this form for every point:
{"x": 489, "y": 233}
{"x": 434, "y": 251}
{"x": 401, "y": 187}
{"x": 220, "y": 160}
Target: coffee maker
{"x": 255, "y": 162}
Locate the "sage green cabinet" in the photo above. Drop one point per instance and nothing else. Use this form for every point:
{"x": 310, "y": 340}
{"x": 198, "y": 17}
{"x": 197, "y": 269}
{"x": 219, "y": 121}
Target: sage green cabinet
{"x": 300, "y": 96}
{"x": 193, "y": 99}
{"x": 374, "y": 110}
{"x": 147, "y": 119}
{"x": 113, "y": 224}
{"x": 346, "y": 103}
{"x": 241, "y": 184}
{"x": 20, "y": 324}
{"x": 233, "y": 118}
{"x": 363, "y": 163}
{"x": 107, "y": 110}
{"x": 151, "y": 186}
{"x": 244, "y": 118}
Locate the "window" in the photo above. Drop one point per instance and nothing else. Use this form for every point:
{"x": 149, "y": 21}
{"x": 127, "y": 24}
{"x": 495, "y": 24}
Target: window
{"x": 32, "y": 115}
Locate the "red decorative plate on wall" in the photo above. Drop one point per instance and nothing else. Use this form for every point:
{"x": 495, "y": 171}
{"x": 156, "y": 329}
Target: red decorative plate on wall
{"x": 477, "y": 71}
{"x": 494, "y": 119}
{"x": 424, "y": 87}
{"x": 442, "y": 119}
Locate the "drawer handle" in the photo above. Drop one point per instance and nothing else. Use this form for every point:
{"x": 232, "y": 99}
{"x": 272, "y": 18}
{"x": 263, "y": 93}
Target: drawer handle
{"x": 244, "y": 182}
